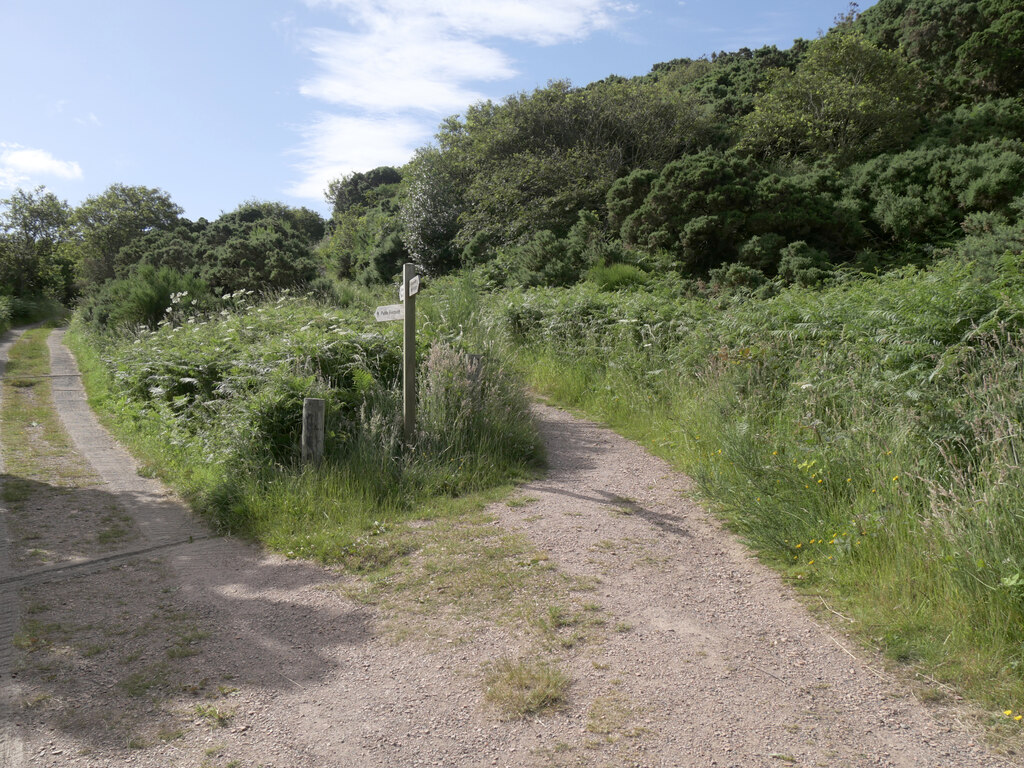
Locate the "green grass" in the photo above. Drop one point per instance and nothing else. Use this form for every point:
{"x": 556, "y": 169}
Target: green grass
{"x": 523, "y": 687}
{"x": 35, "y": 444}
{"x": 214, "y": 408}
{"x": 860, "y": 438}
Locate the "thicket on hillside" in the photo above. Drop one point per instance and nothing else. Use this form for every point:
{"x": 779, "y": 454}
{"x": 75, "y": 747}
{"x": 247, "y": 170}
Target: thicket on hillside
{"x": 870, "y": 145}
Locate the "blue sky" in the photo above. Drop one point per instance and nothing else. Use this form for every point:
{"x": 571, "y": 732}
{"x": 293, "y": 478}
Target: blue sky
{"x": 222, "y": 101}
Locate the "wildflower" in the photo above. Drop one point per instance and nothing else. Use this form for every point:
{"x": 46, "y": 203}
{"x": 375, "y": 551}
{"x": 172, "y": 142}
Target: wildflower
{"x": 1007, "y": 712}
{"x": 810, "y": 562}
{"x": 896, "y": 478}
{"x": 1018, "y": 717}
{"x": 849, "y": 479}
{"x": 799, "y": 545}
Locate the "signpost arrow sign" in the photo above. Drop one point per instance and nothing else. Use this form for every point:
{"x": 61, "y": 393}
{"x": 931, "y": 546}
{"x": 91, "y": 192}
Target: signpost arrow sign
{"x": 390, "y": 312}
{"x": 414, "y": 288}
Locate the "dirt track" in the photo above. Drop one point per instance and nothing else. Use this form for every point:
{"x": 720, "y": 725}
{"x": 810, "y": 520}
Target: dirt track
{"x": 185, "y": 650}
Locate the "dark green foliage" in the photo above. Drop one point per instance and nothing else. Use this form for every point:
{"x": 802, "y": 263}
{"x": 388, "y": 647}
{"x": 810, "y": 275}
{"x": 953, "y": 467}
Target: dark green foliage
{"x": 106, "y": 223}
{"x": 971, "y": 48}
{"x": 846, "y": 98}
{"x": 694, "y": 209}
{"x": 265, "y": 254}
{"x": 353, "y": 189}
{"x": 922, "y": 195}
{"x": 800, "y": 264}
{"x": 144, "y": 297}
{"x": 32, "y": 233}
{"x": 364, "y": 240}
{"x": 976, "y": 123}
{"x": 729, "y": 82}
{"x": 177, "y": 248}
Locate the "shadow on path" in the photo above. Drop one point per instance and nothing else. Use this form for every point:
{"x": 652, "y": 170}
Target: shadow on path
{"x": 108, "y": 651}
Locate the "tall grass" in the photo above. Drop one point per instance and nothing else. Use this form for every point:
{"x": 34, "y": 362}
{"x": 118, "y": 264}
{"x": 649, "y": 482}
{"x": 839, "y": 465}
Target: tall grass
{"x": 865, "y": 439}
{"x": 214, "y": 403}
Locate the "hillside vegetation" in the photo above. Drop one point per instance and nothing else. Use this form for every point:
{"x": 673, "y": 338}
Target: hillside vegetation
{"x": 796, "y": 274}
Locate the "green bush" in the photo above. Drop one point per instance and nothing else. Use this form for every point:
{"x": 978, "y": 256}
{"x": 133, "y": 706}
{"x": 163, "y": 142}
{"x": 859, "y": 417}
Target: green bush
{"x": 144, "y": 298}
{"x": 6, "y": 312}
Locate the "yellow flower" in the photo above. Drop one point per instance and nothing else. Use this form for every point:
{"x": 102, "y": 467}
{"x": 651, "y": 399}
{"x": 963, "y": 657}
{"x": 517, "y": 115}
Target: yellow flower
{"x": 810, "y": 562}
{"x": 1007, "y": 712}
{"x": 849, "y": 479}
{"x": 799, "y": 545}
{"x": 896, "y": 478}
{"x": 1018, "y": 717}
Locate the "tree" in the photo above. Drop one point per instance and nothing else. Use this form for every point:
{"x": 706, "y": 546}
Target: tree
{"x": 972, "y": 48}
{"x": 260, "y": 246}
{"x": 431, "y": 208}
{"x": 847, "y": 98}
{"x": 351, "y": 190}
{"x": 33, "y": 225}
{"x": 106, "y": 223}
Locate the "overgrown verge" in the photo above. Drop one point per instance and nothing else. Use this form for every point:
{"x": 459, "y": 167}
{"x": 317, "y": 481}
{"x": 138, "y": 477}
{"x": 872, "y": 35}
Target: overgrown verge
{"x": 213, "y": 403}
{"x": 864, "y": 438}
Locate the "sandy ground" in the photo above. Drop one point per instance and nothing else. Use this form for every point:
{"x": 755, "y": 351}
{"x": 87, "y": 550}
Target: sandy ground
{"x": 177, "y": 648}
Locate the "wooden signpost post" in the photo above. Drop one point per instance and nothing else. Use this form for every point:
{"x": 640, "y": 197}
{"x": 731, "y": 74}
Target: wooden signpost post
{"x": 406, "y": 311}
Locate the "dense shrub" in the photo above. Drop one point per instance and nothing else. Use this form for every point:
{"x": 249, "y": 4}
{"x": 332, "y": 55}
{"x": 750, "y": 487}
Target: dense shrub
{"x": 144, "y": 298}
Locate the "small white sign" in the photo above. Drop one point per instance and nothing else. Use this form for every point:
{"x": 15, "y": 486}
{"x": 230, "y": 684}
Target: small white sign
{"x": 414, "y": 288}
{"x": 390, "y": 312}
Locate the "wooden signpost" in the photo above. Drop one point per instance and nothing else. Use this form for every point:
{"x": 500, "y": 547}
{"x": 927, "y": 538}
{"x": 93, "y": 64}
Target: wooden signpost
{"x": 406, "y": 311}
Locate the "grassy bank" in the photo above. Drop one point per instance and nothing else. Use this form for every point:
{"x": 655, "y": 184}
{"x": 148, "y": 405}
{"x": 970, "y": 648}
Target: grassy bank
{"x": 214, "y": 405}
{"x": 864, "y": 439}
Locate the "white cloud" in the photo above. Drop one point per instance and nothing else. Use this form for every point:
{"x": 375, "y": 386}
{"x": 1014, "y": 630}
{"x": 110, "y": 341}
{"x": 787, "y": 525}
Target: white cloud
{"x": 402, "y": 64}
{"x": 401, "y": 69}
{"x": 335, "y": 145}
{"x": 20, "y": 166}
{"x": 544, "y": 22}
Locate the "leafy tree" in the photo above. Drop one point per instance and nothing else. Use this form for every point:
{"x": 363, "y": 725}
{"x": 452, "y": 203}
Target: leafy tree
{"x": 846, "y": 98}
{"x": 971, "y": 48}
{"x": 431, "y": 208}
{"x": 176, "y": 248}
{"x": 694, "y": 210}
{"x": 260, "y": 246}
{"x": 729, "y": 82}
{"x": 352, "y": 189}
{"x": 32, "y": 226}
{"x": 106, "y": 223}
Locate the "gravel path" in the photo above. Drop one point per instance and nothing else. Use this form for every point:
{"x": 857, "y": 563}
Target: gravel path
{"x": 707, "y": 659}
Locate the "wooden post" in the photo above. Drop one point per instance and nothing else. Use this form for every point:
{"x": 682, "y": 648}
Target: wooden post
{"x": 409, "y": 355}
{"x": 313, "y": 409}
